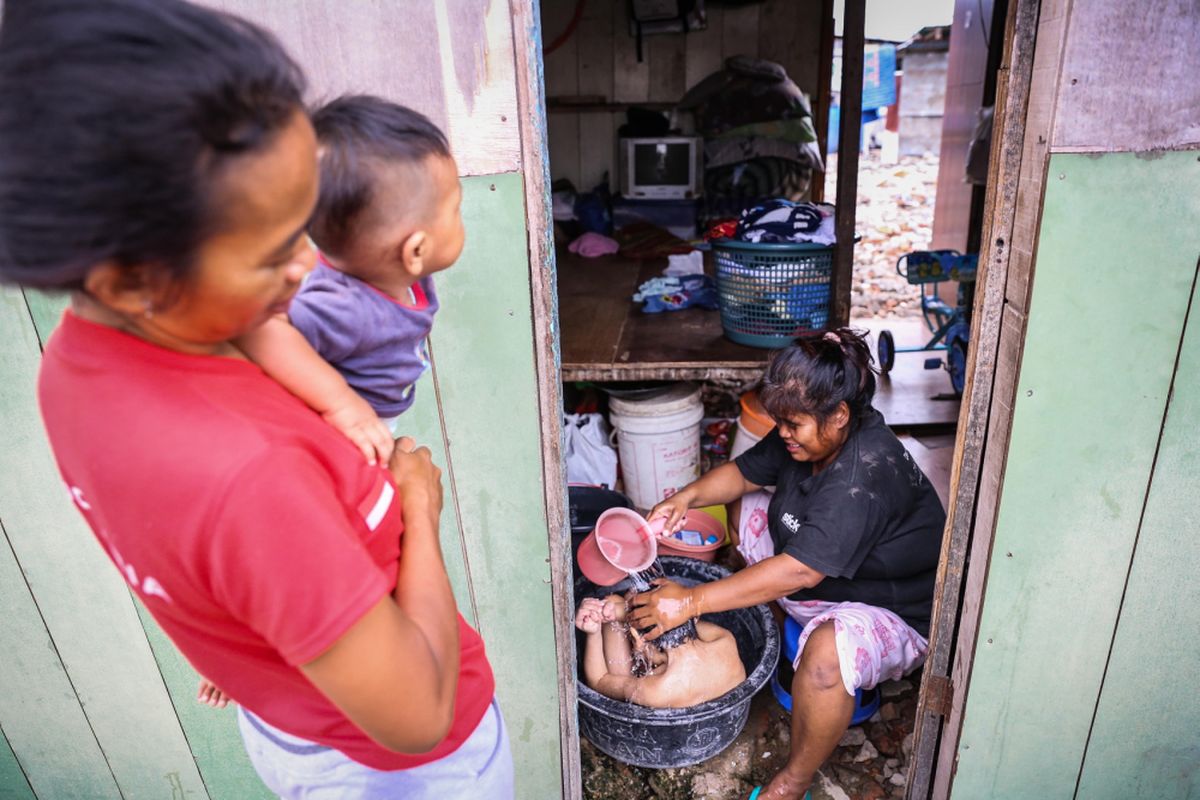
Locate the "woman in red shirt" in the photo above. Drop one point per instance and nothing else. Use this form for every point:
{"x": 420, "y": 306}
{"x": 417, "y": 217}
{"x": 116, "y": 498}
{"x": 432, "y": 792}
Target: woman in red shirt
{"x": 156, "y": 162}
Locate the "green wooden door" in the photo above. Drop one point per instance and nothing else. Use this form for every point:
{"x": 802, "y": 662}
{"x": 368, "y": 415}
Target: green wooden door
{"x": 95, "y": 702}
{"x": 1089, "y": 639}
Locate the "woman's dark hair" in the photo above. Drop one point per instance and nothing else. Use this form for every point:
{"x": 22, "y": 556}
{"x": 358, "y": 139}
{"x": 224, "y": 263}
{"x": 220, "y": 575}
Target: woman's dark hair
{"x": 118, "y": 121}
{"x": 817, "y": 373}
{"x": 358, "y": 134}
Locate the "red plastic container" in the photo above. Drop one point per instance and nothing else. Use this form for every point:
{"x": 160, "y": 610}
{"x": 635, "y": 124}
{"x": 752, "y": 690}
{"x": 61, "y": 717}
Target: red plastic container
{"x": 694, "y": 520}
{"x": 622, "y": 542}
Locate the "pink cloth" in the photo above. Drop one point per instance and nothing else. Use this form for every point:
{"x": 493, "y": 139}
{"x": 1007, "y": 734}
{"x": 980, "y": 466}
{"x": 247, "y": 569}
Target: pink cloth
{"x": 593, "y": 245}
{"x": 873, "y": 644}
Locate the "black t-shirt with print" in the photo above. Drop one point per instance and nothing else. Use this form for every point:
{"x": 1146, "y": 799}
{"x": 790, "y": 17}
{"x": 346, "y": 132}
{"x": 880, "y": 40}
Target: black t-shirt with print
{"x": 871, "y": 520}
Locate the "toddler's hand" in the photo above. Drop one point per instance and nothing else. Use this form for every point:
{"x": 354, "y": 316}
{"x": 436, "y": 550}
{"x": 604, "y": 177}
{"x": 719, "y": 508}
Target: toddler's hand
{"x": 590, "y": 617}
{"x": 210, "y": 695}
{"x": 357, "y": 421}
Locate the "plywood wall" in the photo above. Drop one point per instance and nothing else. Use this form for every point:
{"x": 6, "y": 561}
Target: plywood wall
{"x": 1076, "y": 635}
{"x": 95, "y": 702}
{"x": 450, "y": 59}
{"x": 601, "y": 59}
{"x": 966, "y": 73}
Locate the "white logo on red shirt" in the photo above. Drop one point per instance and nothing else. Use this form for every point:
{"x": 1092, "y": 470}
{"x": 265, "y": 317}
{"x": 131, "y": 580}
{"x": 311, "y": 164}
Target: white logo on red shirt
{"x": 148, "y": 585}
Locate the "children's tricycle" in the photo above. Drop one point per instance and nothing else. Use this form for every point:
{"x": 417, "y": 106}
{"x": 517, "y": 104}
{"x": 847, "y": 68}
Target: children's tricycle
{"x": 950, "y": 326}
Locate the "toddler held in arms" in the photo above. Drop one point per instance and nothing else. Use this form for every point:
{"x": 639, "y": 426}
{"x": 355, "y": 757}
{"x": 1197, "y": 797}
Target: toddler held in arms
{"x": 353, "y": 342}
{"x": 674, "y": 671}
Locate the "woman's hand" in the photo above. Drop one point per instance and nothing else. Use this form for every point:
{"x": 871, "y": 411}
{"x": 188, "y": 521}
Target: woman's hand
{"x": 356, "y": 420}
{"x": 668, "y": 605}
{"x": 417, "y": 477}
{"x": 673, "y": 508}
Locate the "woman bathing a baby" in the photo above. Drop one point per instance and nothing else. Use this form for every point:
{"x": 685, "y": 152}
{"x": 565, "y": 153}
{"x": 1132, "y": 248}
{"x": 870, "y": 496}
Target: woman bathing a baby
{"x": 847, "y": 544}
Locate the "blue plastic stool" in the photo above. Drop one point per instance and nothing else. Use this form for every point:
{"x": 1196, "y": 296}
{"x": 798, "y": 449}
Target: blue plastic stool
{"x": 865, "y": 703}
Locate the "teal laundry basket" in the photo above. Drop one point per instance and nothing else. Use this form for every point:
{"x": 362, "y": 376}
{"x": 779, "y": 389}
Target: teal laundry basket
{"x": 771, "y": 293}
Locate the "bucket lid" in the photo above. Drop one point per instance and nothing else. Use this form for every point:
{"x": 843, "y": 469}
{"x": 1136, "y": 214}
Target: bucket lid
{"x": 680, "y": 397}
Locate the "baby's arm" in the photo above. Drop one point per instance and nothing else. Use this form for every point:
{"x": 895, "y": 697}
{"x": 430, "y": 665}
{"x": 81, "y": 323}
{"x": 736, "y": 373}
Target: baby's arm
{"x": 285, "y": 355}
{"x": 606, "y": 655}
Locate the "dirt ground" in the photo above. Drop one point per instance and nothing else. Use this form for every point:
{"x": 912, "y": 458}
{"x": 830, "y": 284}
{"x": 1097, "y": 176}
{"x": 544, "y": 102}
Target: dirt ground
{"x": 894, "y": 216}
{"x": 870, "y": 763}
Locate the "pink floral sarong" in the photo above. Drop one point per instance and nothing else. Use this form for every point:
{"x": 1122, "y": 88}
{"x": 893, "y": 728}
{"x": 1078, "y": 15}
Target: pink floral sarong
{"x": 873, "y": 644}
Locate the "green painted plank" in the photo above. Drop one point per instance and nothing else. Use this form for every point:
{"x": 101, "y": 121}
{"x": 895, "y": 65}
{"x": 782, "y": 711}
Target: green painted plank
{"x": 484, "y": 362}
{"x": 1116, "y": 258}
{"x": 1145, "y": 741}
{"x": 423, "y": 422}
{"x": 46, "y": 310}
{"x": 13, "y": 783}
{"x": 212, "y": 733}
{"x": 39, "y": 712}
{"x": 82, "y": 598}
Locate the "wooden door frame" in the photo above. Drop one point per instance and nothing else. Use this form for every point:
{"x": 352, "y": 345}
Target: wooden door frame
{"x": 997, "y": 336}
{"x": 535, "y": 170}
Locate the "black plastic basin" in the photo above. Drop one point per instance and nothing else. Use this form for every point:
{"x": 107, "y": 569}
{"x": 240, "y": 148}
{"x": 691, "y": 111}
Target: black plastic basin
{"x": 679, "y": 737}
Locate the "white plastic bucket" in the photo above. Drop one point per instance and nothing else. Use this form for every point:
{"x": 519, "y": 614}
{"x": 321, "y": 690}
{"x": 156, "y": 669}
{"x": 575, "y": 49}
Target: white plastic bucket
{"x": 658, "y": 440}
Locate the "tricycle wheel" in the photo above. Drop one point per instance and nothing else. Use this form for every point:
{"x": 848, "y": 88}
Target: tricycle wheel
{"x": 956, "y": 363}
{"x": 885, "y": 350}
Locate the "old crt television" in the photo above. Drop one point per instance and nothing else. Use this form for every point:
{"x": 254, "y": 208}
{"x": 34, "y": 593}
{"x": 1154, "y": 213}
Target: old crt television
{"x": 660, "y": 167}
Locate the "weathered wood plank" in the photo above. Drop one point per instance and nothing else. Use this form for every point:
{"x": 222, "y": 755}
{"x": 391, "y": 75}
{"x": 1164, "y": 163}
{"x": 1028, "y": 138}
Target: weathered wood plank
{"x": 39, "y": 709}
{"x": 739, "y": 31}
{"x": 562, "y": 79}
{"x": 13, "y": 783}
{"x": 1085, "y": 440}
{"x": 1005, "y": 165}
{"x": 39, "y": 706}
{"x": 544, "y": 296}
{"x": 668, "y": 73}
{"x": 1040, "y": 116}
{"x": 631, "y": 77}
{"x": 483, "y": 358}
{"x": 850, "y": 118}
{"x": 789, "y": 33}
{"x": 1106, "y": 102}
{"x": 84, "y": 602}
{"x": 966, "y": 73}
{"x": 563, "y": 138}
{"x": 212, "y": 734}
{"x": 1143, "y": 742}
{"x": 605, "y": 335}
{"x": 458, "y": 70}
{"x": 823, "y": 97}
{"x": 704, "y": 48}
{"x": 597, "y": 147}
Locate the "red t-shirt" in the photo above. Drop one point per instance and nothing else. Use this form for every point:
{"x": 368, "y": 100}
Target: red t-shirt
{"x": 253, "y": 532}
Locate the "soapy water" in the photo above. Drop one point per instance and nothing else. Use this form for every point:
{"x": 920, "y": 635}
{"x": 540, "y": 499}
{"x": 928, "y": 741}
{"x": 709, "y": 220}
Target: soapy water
{"x": 641, "y": 580}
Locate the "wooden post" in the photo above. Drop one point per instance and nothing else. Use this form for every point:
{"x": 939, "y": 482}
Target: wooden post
{"x": 982, "y": 369}
{"x": 823, "y": 99}
{"x": 847, "y": 180}
{"x": 535, "y": 168}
